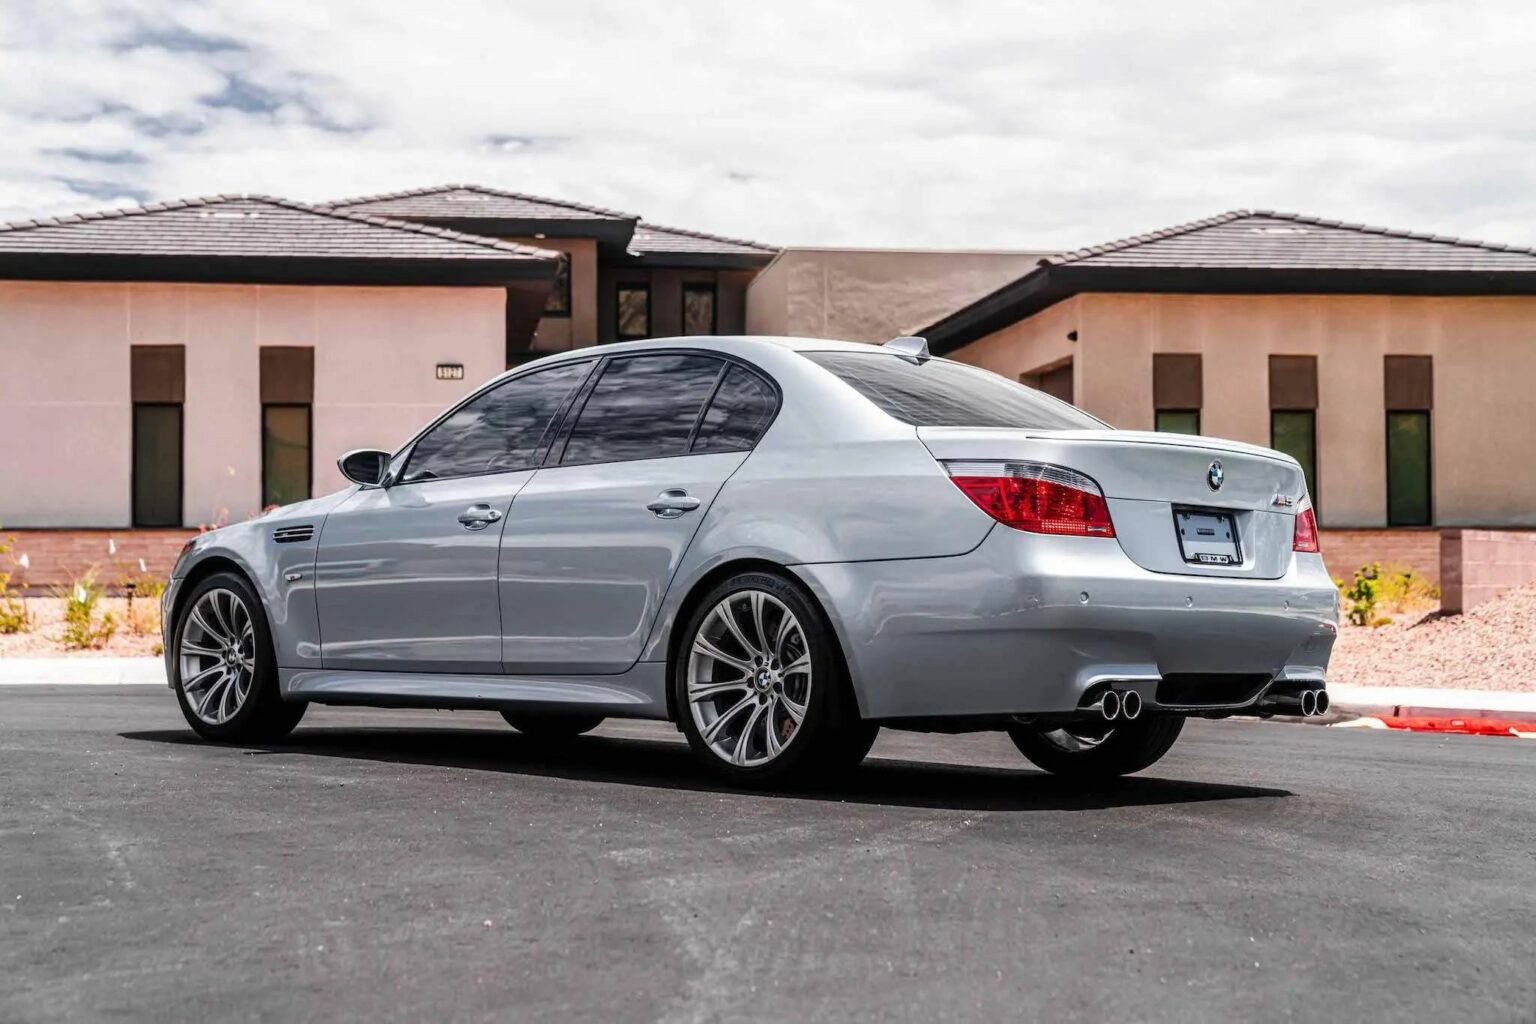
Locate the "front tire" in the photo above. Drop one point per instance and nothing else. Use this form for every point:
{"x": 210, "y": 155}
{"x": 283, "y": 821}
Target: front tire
{"x": 760, "y": 686}
{"x": 224, "y": 666}
{"x": 1098, "y": 751}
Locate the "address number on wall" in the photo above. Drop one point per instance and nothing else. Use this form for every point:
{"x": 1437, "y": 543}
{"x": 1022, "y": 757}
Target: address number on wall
{"x": 450, "y": 371}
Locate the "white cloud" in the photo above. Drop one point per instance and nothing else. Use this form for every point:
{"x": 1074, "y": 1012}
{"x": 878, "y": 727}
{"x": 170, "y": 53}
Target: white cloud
{"x": 914, "y": 123}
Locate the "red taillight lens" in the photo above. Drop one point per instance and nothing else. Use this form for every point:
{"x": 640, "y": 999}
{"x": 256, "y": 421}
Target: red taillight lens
{"x": 1034, "y": 497}
{"x": 1305, "y": 536}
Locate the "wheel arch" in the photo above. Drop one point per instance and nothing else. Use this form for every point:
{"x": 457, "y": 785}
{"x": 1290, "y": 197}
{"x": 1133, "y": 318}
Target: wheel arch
{"x": 719, "y": 574}
{"x": 208, "y": 566}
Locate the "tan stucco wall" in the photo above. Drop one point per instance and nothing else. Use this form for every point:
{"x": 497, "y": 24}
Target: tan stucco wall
{"x": 1483, "y": 429}
{"x": 66, "y": 410}
{"x": 872, "y": 294}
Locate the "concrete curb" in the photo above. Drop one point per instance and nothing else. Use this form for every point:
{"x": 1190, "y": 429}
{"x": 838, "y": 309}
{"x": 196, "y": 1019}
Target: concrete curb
{"x": 82, "y": 671}
{"x": 1430, "y": 704}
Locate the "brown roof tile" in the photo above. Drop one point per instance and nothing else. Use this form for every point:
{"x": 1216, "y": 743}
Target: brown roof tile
{"x": 653, "y": 238}
{"x": 473, "y": 202}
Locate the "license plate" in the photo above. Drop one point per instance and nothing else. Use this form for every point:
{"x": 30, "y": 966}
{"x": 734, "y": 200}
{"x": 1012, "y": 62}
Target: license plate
{"x": 1208, "y": 538}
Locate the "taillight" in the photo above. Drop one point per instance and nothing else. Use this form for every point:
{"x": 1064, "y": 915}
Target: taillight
{"x": 1034, "y": 497}
{"x": 1304, "y": 538}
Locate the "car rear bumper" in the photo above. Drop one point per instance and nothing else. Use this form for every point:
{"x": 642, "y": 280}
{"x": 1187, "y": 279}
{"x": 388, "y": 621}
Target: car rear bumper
{"x": 1030, "y": 624}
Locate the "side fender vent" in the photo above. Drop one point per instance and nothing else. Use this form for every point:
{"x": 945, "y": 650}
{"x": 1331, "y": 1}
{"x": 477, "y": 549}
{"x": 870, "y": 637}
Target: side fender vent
{"x": 293, "y": 534}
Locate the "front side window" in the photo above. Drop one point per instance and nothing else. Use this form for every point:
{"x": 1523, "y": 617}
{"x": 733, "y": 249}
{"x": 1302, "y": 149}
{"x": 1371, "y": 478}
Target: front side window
{"x": 559, "y": 301}
{"x": 738, "y": 414}
{"x": 939, "y": 393}
{"x": 499, "y": 431}
{"x": 156, "y": 464}
{"x": 698, "y": 309}
{"x": 634, "y": 316}
{"x": 285, "y": 454}
{"x": 643, "y": 407}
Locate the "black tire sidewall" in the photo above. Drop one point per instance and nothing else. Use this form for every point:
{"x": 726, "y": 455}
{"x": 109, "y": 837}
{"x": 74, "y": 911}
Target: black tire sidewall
{"x": 263, "y": 706}
{"x": 1131, "y": 747}
{"x": 822, "y": 735}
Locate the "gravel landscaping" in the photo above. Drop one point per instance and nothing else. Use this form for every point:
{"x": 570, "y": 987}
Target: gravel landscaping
{"x": 42, "y": 640}
{"x": 1491, "y": 647}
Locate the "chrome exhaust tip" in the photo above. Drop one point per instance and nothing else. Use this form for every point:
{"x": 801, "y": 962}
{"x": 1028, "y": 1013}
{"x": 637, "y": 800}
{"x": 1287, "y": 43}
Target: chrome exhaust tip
{"x": 1130, "y": 705}
{"x": 1322, "y": 702}
{"x": 1309, "y": 702}
{"x": 1109, "y": 705}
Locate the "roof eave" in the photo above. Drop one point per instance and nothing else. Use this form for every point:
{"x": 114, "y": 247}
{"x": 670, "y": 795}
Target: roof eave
{"x": 698, "y": 260}
{"x": 436, "y": 271}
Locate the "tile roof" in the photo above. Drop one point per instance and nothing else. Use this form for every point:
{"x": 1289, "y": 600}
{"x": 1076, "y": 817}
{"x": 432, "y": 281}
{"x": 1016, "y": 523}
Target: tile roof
{"x": 473, "y": 202}
{"x": 1264, "y": 239}
{"x": 653, "y": 238}
{"x": 250, "y": 226}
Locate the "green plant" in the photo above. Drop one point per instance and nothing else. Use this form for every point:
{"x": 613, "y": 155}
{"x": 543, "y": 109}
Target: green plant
{"x": 84, "y": 627}
{"x": 143, "y": 601}
{"x": 1360, "y": 596}
{"x": 1404, "y": 589}
{"x": 15, "y": 617}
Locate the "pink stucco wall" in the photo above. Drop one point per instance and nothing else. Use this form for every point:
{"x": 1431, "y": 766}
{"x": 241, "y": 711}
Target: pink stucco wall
{"x": 65, "y": 404}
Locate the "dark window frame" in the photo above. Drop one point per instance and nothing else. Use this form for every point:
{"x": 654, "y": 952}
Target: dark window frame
{"x": 181, "y": 468}
{"x": 1429, "y": 465}
{"x": 1312, "y": 483}
{"x": 713, "y": 289}
{"x": 561, "y": 287}
{"x": 556, "y": 452}
{"x": 400, "y": 461}
{"x": 1179, "y": 412}
{"x": 309, "y": 463}
{"x": 618, "y": 309}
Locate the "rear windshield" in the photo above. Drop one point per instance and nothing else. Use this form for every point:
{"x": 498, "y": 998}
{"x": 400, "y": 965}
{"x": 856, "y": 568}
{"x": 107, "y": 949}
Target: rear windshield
{"x": 938, "y": 393}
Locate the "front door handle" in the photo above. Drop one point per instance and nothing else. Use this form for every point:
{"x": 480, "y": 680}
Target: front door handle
{"x": 478, "y": 517}
{"x": 671, "y": 503}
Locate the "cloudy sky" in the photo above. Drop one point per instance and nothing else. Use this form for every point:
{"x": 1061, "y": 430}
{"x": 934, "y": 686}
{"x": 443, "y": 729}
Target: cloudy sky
{"x": 935, "y": 124}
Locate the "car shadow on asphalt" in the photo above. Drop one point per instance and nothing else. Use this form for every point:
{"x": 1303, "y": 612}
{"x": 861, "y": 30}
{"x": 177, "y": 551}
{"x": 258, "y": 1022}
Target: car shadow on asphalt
{"x": 670, "y": 765}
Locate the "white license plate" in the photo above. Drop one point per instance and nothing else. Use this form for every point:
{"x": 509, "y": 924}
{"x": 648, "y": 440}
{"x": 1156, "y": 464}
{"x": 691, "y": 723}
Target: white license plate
{"x": 1208, "y": 538}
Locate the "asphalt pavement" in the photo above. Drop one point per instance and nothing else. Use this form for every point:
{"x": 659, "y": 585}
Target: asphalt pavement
{"x": 413, "y": 866}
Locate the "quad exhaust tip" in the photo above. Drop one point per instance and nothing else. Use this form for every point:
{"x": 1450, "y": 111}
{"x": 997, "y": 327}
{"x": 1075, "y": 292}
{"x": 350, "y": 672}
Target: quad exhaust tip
{"x": 1309, "y": 702}
{"x": 1130, "y": 705}
{"x": 1109, "y": 705}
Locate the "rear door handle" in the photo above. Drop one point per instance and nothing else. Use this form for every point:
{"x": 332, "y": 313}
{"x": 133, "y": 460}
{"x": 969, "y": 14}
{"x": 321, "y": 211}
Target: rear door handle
{"x": 478, "y": 517}
{"x": 673, "y": 502}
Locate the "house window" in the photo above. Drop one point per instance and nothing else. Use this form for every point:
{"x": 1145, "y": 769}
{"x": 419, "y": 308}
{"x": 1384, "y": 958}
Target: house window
{"x": 1294, "y": 432}
{"x": 1410, "y": 392}
{"x": 157, "y": 464}
{"x": 698, "y": 309}
{"x": 1178, "y": 421}
{"x": 1177, "y": 392}
{"x": 634, "y": 312}
{"x": 1293, "y": 415}
{"x": 559, "y": 302}
{"x": 285, "y": 454}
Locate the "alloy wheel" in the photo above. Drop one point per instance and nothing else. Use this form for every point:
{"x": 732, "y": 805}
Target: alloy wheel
{"x": 749, "y": 678}
{"x": 217, "y": 656}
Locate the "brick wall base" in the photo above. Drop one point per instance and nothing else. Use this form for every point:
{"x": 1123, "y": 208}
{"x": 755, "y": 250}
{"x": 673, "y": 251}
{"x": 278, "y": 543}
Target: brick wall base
{"x": 58, "y": 557}
{"x": 1479, "y": 565}
{"x": 1418, "y": 549}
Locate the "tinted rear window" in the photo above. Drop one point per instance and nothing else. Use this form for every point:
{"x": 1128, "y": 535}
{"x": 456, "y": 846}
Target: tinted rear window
{"x": 643, "y": 407}
{"x": 938, "y": 393}
{"x": 738, "y": 414}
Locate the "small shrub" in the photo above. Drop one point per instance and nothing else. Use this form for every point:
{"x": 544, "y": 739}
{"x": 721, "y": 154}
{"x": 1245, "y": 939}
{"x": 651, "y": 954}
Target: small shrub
{"x": 84, "y": 627}
{"x": 1360, "y": 597}
{"x": 1404, "y": 589}
{"x": 15, "y": 617}
{"x": 143, "y": 614}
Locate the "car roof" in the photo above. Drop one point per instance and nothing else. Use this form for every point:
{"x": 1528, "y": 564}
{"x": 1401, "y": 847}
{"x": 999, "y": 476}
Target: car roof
{"x": 730, "y": 344}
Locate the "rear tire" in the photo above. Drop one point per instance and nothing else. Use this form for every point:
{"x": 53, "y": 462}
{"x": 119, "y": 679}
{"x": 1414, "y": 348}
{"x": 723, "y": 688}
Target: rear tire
{"x": 223, "y": 665}
{"x": 552, "y": 727}
{"x": 1125, "y": 748}
{"x": 760, "y": 686}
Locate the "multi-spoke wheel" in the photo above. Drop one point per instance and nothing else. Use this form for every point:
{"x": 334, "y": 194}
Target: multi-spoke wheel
{"x": 759, "y": 684}
{"x": 1097, "y": 750}
{"x": 226, "y": 676}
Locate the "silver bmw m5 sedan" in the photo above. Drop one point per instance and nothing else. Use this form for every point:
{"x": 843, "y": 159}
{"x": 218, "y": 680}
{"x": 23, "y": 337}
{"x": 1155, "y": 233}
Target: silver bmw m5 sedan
{"x": 780, "y": 545}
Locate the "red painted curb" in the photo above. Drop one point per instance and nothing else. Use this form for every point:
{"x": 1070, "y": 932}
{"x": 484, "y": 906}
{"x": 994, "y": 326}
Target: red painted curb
{"x": 1470, "y": 726}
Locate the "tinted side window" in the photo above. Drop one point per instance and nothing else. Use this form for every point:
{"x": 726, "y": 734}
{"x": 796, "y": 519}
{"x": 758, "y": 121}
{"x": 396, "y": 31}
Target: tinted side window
{"x": 939, "y": 393}
{"x": 738, "y": 414}
{"x": 643, "y": 407}
{"x": 500, "y": 431}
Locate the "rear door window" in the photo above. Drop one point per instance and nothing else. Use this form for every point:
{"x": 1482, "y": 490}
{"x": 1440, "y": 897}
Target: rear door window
{"x": 643, "y": 407}
{"x": 741, "y": 410}
{"x": 939, "y": 393}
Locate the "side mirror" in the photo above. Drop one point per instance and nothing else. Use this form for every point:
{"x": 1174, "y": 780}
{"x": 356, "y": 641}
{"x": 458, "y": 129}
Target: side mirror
{"x": 364, "y": 466}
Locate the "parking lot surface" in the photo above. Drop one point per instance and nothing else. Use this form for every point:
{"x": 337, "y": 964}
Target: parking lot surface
{"x": 412, "y": 866}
